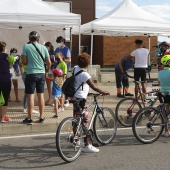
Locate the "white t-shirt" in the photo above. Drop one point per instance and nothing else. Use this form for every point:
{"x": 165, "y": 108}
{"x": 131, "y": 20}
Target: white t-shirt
{"x": 141, "y": 57}
{"x": 81, "y": 78}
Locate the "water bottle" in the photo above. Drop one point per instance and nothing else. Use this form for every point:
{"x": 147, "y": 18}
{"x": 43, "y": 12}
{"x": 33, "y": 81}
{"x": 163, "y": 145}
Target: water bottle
{"x": 151, "y": 101}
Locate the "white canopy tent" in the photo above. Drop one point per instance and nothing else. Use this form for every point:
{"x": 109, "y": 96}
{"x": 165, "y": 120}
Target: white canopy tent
{"x": 127, "y": 19}
{"x": 19, "y": 17}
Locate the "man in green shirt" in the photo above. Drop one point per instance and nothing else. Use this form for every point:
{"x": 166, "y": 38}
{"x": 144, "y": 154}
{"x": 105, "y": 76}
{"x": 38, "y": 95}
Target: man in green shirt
{"x": 35, "y": 76}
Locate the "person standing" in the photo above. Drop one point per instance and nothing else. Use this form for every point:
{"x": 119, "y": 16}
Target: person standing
{"x": 122, "y": 66}
{"x": 67, "y": 57}
{"x": 83, "y": 62}
{"x": 61, "y": 65}
{"x": 5, "y": 81}
{"x": 13, "y": 52}
{"x": 35, "y": 76}
{"x": 50, "y": 49}
{"x": 57, "y": 79}
{"x": 140, "y": 65}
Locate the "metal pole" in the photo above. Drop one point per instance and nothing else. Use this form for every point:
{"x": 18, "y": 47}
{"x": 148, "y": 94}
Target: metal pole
{"x": 91, "y": 53}
{"x": 79, "y": 40}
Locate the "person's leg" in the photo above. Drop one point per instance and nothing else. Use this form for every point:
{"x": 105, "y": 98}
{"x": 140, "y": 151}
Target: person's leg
{"x": 125, "y": 81}
{"x": 41, "y": 104}
{"x": 118, "y": 76}
{"x": 136, "y": 77}
{"x": 30, "y": 84}
{"x": 48, "y": 82}
{"x": 56, "y": 101}
{"x": 15, "y": 83}
{"x": 40, "y": 82}
{"x": 143, "y": 79}
{"x": 25, "y": 99}
{"x": 5, "y": 88}
{"x": 62, "y": 101}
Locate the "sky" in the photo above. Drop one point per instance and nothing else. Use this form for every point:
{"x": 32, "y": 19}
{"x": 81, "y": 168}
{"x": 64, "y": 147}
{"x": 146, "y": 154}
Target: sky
{"x": 161, "y": 8}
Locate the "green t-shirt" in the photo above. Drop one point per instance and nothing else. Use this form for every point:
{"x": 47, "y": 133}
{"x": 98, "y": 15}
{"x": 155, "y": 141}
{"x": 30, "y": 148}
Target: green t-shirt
{"x": 63, "y": 67}
{"x": 23, "y": 66}
{"x": 35, "y": 63}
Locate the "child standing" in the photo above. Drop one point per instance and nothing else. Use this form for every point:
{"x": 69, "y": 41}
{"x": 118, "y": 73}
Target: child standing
{"x": 57, "y": 79}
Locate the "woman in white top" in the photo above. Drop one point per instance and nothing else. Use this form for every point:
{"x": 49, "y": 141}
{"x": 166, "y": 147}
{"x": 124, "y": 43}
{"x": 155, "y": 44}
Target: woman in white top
{"x": 83, "y": 61}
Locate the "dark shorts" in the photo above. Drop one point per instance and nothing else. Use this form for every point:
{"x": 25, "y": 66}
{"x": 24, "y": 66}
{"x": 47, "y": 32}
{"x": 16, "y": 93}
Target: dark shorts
{"x": 5, "y": 88}
{"x": 34, "y": 81}
{"x": 140, "y": 73}
{"x": 77, "y": 108}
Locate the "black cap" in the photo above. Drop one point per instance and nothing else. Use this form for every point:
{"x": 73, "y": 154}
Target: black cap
{"x": 138, "y": 42}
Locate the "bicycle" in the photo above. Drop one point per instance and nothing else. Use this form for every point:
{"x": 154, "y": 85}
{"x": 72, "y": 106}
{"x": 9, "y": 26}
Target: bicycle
{"x": 72, "y": 131}
{"x": 127, "y": 108}
{"x": 149, "y": 123}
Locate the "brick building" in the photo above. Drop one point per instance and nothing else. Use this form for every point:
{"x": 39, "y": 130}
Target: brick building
{"x": 107, "y": 50}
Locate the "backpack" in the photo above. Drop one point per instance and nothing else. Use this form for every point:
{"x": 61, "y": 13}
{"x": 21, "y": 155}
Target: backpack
{"x": 68, "y": 87}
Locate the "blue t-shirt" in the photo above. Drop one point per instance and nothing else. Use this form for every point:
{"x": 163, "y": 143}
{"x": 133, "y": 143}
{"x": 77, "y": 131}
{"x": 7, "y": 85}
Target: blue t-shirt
{"x": 164, "y": 78}
{"x": 56, "y": 90}
{"x": 16, "y": 64}
{"x": 125, "y": 64}
{"x": 64, "y": 51}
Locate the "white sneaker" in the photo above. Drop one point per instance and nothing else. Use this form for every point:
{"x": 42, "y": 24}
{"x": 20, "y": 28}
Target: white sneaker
{"x": 90, "y": 149}
{"x": 60, "y": 110}
{"x": 166, "y": 134}
{"x": 66, "y": 103}
{"x": 25, "y": 110}
{"x": 34, "y": 111}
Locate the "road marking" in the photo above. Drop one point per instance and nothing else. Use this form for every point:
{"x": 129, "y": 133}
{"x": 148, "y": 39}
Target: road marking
{"x": 27, "y": 136}
{"x": 45, "y": 134}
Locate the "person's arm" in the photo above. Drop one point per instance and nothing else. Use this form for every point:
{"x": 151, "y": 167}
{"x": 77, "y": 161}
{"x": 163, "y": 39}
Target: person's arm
{"x": 49, "y": 78}
{"x": 48, "y": 64}
{"x": 24, "y": 59}
{"x": 95, "y": 88}
{"x": 120, "y": 66}
{"x": 68, "y": 59}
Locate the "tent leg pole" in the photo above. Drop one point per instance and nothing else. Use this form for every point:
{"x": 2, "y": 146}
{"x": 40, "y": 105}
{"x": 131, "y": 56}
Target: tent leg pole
{"x": 91, "y": 54}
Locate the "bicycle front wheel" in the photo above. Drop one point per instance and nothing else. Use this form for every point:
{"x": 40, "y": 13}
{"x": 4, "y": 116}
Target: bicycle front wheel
{"x": 105, "y": 126}
{"x": 148, "y": 125}
{"x": 69, "y": 139}
{"x": 125, "y": 111}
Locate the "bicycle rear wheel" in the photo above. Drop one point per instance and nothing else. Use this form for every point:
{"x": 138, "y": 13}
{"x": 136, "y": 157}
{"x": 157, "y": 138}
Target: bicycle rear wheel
{"x": 125, "y": 111}
{"x": 105, "y": 126}
{"x": 148, "y": 125}
{"x": 69, "y": 144}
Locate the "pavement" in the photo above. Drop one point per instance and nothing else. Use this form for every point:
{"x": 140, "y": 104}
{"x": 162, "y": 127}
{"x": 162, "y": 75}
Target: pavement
{"x": 15, "y": 112}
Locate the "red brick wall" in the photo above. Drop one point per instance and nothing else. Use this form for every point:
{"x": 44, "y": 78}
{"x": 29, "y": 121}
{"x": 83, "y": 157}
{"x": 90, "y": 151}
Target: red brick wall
{"x": 109, "y": 50}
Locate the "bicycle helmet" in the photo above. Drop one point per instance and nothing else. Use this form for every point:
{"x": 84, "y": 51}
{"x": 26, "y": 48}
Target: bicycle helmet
{"x": 58, "y": 72}
{"x": 33, "y": 36}
{"x": 164, "y": 43}
{"x": 165, "y": 59}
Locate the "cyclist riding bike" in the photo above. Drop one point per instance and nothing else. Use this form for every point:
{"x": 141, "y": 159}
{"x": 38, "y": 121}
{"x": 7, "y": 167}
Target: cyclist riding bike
{"x": 164, "y": 81}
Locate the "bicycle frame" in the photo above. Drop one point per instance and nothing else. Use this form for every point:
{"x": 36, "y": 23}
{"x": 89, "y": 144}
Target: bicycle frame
{"x": 96, "y": 108}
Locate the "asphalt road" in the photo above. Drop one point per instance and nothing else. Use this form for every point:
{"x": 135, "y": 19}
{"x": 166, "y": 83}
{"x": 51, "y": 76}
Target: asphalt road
{"x": 124, "y": 153}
